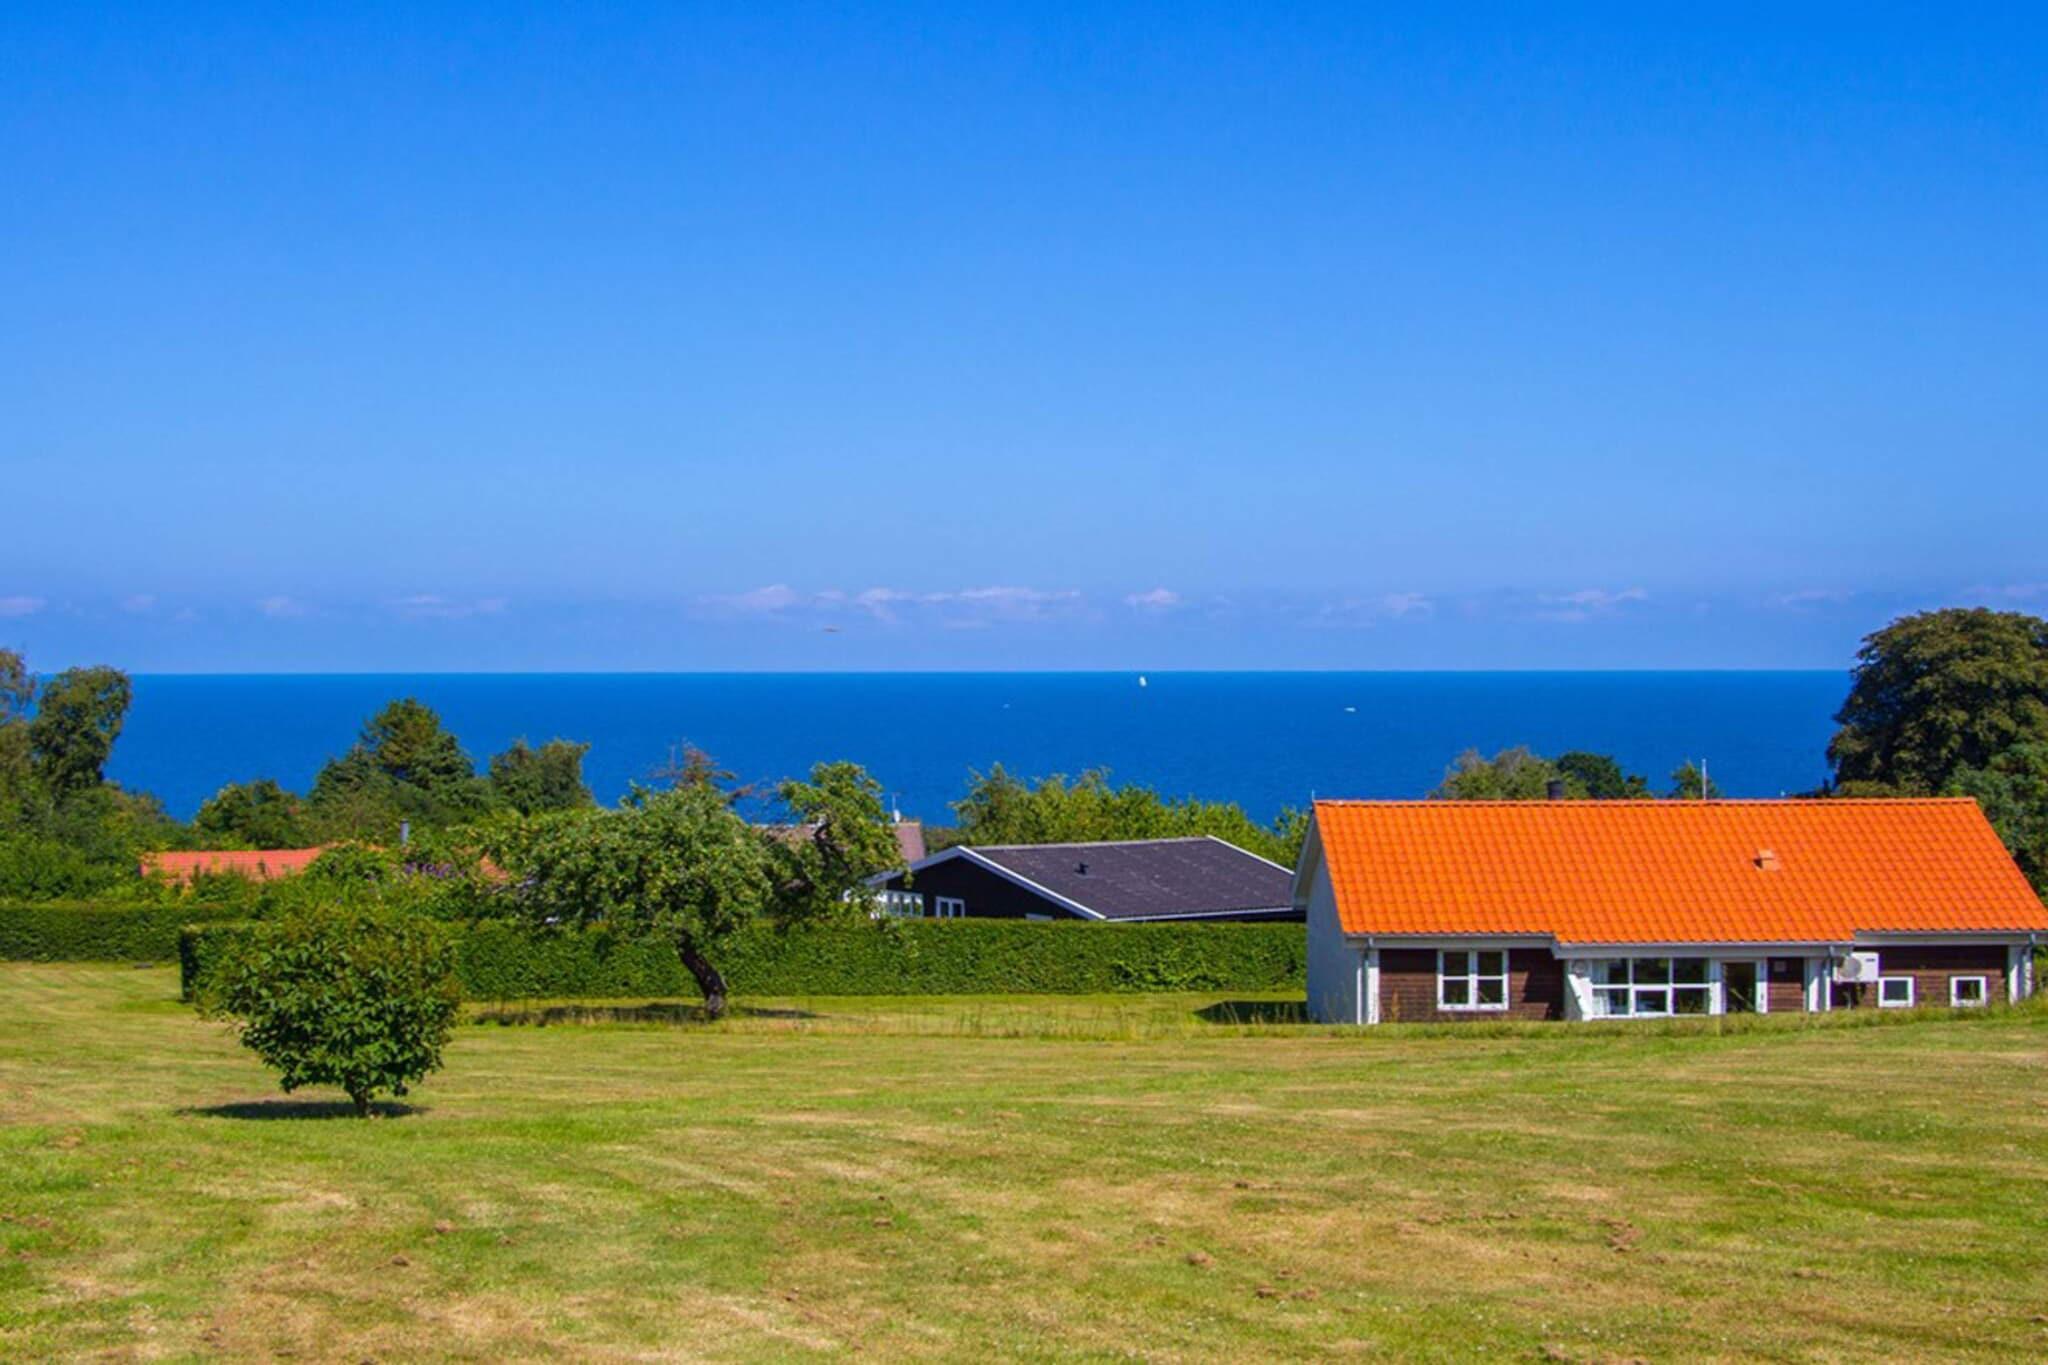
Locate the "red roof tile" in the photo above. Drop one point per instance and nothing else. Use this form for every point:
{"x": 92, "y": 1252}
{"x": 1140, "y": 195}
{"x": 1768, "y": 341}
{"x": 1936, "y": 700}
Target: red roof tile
{"x": 261, "y": 864}
{"x": 1672, "y": 871}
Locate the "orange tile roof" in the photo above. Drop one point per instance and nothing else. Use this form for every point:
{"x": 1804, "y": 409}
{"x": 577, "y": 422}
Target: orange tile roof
{"x": 1811, "y": 871}
{"x": 262, "y": 864}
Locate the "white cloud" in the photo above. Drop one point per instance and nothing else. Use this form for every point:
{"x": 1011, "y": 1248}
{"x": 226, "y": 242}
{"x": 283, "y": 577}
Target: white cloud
{"x": 428, "y": 606}
{"x": 973, "y": 606}
{"x": 1401, "y": 605}
{"x": 1157, "y": 599}
{"x": 138, "y": 604}
{"x": 278, "y": 606}
{"x": 20, "y": 605}
{"x": 1806, "y": 599}
{"x": 1585, "y": 604}
{"x": 2021, "y": 592}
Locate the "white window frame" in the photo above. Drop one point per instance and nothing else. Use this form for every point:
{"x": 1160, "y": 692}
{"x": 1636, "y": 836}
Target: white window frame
{"x": 1631, "y": 990}
{"x": 1885, "y": 983}
{"x": 1471, "y": 976}
{"x": 1983, "y": 992}
{"x": 949, "y": 907}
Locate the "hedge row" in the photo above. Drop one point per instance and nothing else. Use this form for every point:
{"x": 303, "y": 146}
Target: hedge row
{"x": 58, "y": 931}
{"x": 915, "y": 957}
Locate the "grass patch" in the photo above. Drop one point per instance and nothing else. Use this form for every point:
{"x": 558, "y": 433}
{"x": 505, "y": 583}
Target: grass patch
{"x": 1168, "y": 1177}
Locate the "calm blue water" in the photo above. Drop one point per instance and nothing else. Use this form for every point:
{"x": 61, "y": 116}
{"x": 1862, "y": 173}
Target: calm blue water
{"x": 1262, "y": 739}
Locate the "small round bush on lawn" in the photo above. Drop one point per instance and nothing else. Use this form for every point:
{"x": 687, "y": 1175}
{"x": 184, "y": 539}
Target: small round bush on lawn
{"x": 357, "y": 998}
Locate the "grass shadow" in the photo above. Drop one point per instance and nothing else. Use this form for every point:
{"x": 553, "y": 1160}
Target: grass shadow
{"x": 297, "y": 1109}
{"x": 654, "y": 1012}
{"x": 1254, "y": 1012}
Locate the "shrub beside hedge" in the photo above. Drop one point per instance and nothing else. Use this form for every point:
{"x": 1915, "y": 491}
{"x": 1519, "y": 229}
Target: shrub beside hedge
{"x": 497, "y": 961}
{"x": 59, "y": 931}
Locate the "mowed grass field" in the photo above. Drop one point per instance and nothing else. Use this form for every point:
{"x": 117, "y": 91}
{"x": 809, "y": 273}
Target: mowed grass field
{"x": 1023, "y": 1179}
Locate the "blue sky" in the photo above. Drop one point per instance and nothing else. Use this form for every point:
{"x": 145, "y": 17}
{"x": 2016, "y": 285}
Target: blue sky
{"x": 507, "y": 337}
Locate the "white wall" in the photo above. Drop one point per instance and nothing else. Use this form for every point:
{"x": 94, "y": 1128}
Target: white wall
{"x": 1334, "y": 966}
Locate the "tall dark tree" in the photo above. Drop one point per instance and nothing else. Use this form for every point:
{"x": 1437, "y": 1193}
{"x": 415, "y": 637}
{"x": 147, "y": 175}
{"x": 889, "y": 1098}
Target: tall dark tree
{"x": 531, "y": 780}
{"x": 1598, "y": 776}
{"x": 404, "y": 766}
{"x": 2013, "y": 790}
{"x": 78, "y": 717}
{"x": 1939, "y": 692}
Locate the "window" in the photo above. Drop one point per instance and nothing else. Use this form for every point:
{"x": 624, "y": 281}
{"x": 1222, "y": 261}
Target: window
{"x": 1895, "y": 992}
{"x": 1472, "y": 981}
{"x": 1966, "y": 990}
{"x": 900, "y": 904}
{"x": 1635, "y": 987}
{"x": 948, "y": 907}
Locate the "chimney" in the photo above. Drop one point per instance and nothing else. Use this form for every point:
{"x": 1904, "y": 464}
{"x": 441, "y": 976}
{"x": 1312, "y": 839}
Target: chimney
{"x": 1766, "y": 860}
{"x": 1554, "y": 789}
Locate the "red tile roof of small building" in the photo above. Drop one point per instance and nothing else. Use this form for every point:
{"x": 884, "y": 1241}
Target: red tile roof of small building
{"x": 260, "y": 864}
{"x": 1807, "y": 871}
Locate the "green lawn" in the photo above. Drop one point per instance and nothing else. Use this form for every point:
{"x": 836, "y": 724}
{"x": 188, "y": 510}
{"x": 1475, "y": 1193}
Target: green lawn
{"x": 1010, "y": 1178}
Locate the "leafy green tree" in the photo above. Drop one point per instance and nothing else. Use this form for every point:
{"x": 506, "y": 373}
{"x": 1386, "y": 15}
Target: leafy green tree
{"x": 2013, "y": 790}
{"x": 78, "y": 717}
{"x": 355, "y": 998}
{"x": 680, "y": 864}
{"x": 841, "y": 838}
{"x": 1689, "y": 782}
{"x": 1000, "y": 809}
{"x": 258, "y": 814}
{"x": 1939, "y": 692}
{"x": 1517, "y": 774}
{"x": 530, "y": 780}
{"x": 404, "y": 766}
{"x": 17, "y": 694}
{"x": 1598, "y": 776}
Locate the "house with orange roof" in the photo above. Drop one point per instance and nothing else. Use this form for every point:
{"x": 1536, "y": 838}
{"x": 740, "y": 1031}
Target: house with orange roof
{"x": 1460, "y": 910}
{"x": 257, "y": 864}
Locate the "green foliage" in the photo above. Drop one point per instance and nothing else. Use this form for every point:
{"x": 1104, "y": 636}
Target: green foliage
{"x": 65, "y": 931}
{"x": 258, "y": 814}
{"x": 841, "y": 838}
{"x": 78, "y": 716}
{"x": 2013, "y": 790}
{"x": 1599, "y": 777}
{"x": 679, "y": 865}
{"x": 1001, "y": 809}
{"x": 1939, "y": 692}
{"x": 405, "y": 766}
{"x": 350, "y": 998}
{"x": 1516, "y": 774}
{"x": 529, "y": 780}
{"x": 1690, "y": 782}
{"x": 501, "y": 961}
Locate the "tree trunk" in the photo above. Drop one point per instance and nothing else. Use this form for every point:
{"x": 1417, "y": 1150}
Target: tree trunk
{"x": 362, "y": 1103}
{"x": 708, "y": 980}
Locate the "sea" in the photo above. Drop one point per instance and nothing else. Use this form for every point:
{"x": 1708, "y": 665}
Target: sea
{"x": 1263, "y": 740}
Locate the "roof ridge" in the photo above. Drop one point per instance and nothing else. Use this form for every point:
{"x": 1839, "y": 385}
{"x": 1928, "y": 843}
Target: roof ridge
{"x": 1105, "y": 843}
{"x": 1643, "y": 803}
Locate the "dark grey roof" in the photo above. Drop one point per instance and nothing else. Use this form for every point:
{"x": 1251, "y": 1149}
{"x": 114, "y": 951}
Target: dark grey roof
{"x": 1150, "y": 878}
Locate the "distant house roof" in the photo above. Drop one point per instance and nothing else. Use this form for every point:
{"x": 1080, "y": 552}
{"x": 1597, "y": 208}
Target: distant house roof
{"x": 1140, "y": 879}
{"x": 260, "y": 864}
{"x": 1594, "y": 872}
{"x": 909, "y": 837}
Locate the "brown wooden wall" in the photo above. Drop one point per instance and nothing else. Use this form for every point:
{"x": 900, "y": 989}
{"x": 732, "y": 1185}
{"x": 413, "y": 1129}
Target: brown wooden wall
{"x": 987, "y": 895}
{"x": 1931, "y": 965}
{"x": 1408, "y": 987}
{"x": 1787, "y": 984}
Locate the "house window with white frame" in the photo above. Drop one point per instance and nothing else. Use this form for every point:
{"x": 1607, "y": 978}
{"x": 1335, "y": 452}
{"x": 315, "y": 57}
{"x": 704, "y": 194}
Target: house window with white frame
{"x": 1895, "y": 992}
{"x": 1968, "y": 990}
{"x": 1651, "y": 987}
{"x": 948, "y": 907}
{"x": 1472, "y": 980}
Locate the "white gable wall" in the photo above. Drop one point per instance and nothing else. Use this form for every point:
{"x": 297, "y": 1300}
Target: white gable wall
{"x": 1335, "y": 967}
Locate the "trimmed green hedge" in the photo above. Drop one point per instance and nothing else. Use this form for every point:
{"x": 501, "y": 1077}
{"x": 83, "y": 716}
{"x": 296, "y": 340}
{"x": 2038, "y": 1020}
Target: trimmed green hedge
{"x": 61, "y": 931}
{"x": 908, "y": 957}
